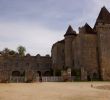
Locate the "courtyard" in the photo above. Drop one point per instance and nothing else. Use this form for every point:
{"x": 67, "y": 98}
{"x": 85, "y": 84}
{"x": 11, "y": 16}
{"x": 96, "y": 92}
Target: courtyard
{"x": 55, "y": 91}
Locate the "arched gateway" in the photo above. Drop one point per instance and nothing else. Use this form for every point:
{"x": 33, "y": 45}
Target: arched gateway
{"x": 17, "y": 76}
{"x": 16, "y": 73}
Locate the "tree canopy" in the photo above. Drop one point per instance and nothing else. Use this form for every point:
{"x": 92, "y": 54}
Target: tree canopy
{"x": 21, "y": 50}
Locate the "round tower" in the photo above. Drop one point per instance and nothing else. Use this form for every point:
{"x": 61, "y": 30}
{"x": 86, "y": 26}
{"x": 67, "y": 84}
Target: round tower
{"x": 69, "y": 36}
{"x": 102, "y": 27}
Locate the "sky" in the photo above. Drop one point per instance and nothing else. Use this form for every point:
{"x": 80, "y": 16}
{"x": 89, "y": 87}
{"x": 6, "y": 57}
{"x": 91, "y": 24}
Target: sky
{"x": 38, "y": 24}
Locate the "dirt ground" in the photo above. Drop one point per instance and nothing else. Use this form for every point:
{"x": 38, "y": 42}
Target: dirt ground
{"x": 55, "y": 91}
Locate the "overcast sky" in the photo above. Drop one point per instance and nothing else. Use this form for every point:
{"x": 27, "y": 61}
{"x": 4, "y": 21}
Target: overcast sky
{"x": 37, "y": 24}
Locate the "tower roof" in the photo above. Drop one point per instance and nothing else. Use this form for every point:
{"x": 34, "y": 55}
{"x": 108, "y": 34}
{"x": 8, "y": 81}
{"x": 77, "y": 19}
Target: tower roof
{"x": 70, "y": 31}
{"x": 88, "y": 29}
{"x": 104, "y": 16}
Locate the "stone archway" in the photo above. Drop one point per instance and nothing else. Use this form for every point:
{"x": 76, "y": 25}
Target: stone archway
{"x": 16, "y": 73}
{"x": 16, "y": 76}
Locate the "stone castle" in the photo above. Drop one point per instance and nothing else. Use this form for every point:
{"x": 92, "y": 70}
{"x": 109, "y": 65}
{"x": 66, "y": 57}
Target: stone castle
{"x": 84, "y": 55}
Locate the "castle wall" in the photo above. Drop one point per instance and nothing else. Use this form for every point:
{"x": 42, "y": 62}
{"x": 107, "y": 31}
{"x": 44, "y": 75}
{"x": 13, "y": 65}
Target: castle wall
{"x": 85, "y": 55}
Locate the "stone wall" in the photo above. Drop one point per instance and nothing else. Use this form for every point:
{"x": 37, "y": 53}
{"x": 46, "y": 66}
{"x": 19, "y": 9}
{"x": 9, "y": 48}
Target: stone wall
{"x": 26, "y": 66}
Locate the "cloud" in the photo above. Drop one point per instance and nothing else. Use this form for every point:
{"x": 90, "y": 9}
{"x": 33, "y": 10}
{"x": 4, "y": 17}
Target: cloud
{"x": 37, "y": 24}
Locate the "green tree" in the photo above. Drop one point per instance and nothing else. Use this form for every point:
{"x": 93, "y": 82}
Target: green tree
{"x": 21, "y": 50}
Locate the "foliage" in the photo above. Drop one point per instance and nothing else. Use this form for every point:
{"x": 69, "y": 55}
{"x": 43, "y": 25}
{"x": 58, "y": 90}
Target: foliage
{"x": 12, "y": 52}
{"x": 21, "y": 50}
{"x": 7, "y": 52}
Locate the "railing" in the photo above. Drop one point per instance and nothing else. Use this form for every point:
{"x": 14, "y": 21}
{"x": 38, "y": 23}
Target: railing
{"x": 20, "y": 79}
{"x": 52, "y": 79}
{"x": 17, "y": 79}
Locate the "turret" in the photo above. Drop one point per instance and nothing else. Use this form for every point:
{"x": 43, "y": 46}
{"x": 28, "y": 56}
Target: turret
{"x": 69, "y": 37}
{"x": 70, "y": 32}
